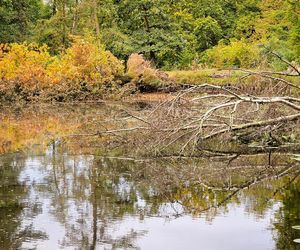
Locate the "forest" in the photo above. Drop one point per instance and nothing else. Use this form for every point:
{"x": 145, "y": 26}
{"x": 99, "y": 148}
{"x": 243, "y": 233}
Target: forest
{"x": 87, "y": 44}
{"x": 172, "y": 34}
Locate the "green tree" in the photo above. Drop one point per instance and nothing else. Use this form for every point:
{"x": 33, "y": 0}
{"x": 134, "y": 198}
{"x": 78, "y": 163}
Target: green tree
{"x": 18, "y": 18}
{"x": 208, "y": 32}
{"x": 151, "y": 27}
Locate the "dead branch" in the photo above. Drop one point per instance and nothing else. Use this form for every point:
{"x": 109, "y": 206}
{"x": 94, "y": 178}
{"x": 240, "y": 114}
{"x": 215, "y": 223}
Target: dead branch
{"x": 268, "y": 76}
{"x": 205, "y": 111}
{"x": 107, "y": 132}
{"x": 225, "y": 113}
{"x": 285, "y": 61}
{"x": 289, "y": 118}
{"x": 278, "y": 73}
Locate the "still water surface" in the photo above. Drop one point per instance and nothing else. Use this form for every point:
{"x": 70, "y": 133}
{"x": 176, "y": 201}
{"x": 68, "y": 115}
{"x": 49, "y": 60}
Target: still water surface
{"x": 60, "y": 197}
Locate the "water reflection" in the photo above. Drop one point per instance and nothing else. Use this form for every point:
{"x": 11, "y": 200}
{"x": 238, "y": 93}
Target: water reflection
{"x": 61, "y": 200}
{"x": 78, "y": 194}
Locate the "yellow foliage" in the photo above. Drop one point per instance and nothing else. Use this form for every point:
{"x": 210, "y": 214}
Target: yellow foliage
{"x": 237, "y": 53}
{"x": 86, "y": 62}
{"x": 32, "y": 66}
{"x": 24, "y": 63}
{"x": 29, "y": 128}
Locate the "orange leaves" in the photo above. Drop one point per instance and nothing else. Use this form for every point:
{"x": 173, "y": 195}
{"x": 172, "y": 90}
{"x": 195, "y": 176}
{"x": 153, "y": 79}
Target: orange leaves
{"x": 31, "y": 66}
{"x": 32, "y": 128}
{"x": 137, "y": 67}
{"x": 86, "y": 62}
{"x": 25, "y": 64}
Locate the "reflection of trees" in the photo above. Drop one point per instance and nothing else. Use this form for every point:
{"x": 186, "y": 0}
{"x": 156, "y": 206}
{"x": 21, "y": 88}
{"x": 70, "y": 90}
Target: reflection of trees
{"x": 93, "y": 194}
{"x": 88, "y": 197}
{"x": 13, "y": 202}
{"x": 288, "y": 216}
{"x": 199, "y": 185}
{"x": 12, "y": 191}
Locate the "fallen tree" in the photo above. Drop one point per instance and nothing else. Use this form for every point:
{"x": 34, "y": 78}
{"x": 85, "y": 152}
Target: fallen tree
{"x": 205, "y": 114}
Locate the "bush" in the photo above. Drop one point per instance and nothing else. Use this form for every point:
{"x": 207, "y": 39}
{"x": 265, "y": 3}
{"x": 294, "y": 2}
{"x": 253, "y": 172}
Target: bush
{"x": 32, "y": 68}
{"x": 237, "y": 54}
{"x": 25, "y": 64}
{"x": 140, "y": 70}
{"x": 85, "y": 62}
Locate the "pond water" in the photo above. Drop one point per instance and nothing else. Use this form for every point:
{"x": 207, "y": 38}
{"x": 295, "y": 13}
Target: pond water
{"x": 86, "y": 194}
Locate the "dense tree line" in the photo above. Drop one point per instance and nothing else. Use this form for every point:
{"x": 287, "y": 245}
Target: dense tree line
{"x": 170, "y": 33}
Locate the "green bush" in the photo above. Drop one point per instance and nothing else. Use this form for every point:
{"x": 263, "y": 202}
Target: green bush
{"x": 237, "y": 53}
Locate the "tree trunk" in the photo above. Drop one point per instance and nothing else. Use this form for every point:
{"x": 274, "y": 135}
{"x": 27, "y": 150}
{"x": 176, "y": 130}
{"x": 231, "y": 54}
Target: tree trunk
{"x": 148, "y": 30}
{"x": 75, "y": 18}
{"x": 95, "y": 17}
{"x": 64, "y": 35}
{"x": 54, "y": 7}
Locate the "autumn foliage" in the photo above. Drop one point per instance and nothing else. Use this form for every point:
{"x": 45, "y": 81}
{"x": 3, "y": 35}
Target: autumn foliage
{"x": 142, "y": 72}
{"x": 30, "y": 67}
{"x": 25, "y": 64}
{"x": 138, "y": 67}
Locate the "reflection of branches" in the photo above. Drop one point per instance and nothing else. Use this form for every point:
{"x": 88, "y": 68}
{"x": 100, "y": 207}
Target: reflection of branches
{"x": 260, "y": 177}
{"x": 257, "y": 179}
{"x": 189, "y": 178}
{"x": 292, "y": 180}
{"x": 30, "y": 234}
{"x": 125, "y": 241}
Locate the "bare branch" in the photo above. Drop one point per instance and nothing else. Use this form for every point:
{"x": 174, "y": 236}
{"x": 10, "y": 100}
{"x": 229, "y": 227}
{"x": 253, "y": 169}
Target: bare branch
{"x": 269, "y": 77}
{"x": 289, "y": 118}
{"x": 278, "y": 73}
{"x": 285, "y": 61}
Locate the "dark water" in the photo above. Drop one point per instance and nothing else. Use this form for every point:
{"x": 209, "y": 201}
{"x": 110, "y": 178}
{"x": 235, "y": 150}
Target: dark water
{"x": 59, "y": 197}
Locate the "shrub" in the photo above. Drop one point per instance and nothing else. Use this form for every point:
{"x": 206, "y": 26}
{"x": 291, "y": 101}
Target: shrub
{"x": 31, "y": 67}
{"x": 85, "y": 62}
{"x": 237, "y": 54}
{"x": 25, "y": 64}
{"x": 141, "y": 70}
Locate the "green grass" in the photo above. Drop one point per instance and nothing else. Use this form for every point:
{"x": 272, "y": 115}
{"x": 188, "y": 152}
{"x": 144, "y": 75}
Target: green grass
{"x": 212, "y": 76}
{"x": 225, "y": 77}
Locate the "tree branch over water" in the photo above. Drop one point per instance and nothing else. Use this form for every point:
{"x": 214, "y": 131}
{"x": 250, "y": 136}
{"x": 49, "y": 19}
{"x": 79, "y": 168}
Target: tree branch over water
{"x": 200, "y": 113}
